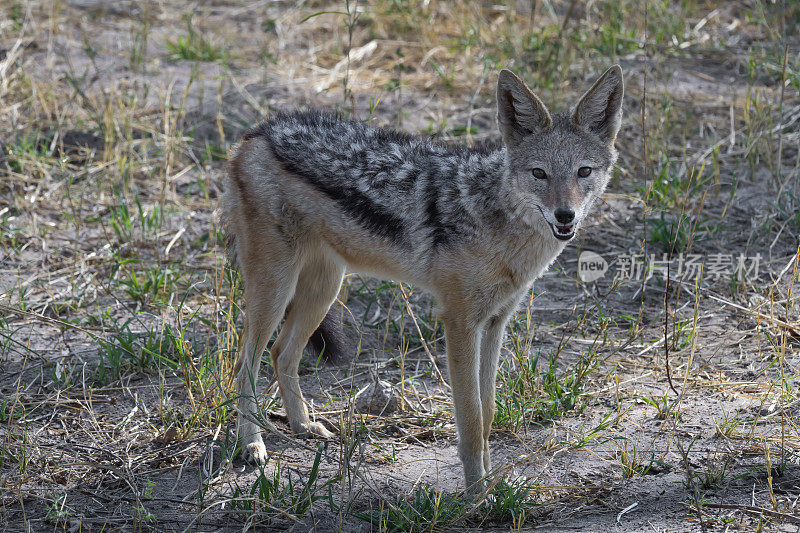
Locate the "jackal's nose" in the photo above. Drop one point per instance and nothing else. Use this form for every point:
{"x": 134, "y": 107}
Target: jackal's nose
{"x": 564, "y": 216}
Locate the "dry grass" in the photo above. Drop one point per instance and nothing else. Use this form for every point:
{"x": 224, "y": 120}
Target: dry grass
{"x": 666, "y": 404}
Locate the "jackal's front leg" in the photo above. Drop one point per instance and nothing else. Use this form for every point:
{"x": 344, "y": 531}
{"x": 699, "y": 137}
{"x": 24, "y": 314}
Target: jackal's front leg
{"x": 491, "y": 343}
{"x": 463, "y": 344}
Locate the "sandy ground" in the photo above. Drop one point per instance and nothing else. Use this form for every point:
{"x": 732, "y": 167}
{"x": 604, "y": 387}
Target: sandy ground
{"x": 87, "y": 457}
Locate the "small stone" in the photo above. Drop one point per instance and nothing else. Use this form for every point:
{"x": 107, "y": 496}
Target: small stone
{"x": 378, "y": 399}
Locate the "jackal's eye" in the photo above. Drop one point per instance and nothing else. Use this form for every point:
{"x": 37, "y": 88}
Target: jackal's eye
{"x": 540, "y": 174}
{"x": 584, "y": 171}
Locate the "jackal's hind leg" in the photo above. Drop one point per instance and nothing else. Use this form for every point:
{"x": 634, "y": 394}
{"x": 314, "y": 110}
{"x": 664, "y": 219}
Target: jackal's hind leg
{"x": 317, "y": 287}
{"x": 267, "y": 287}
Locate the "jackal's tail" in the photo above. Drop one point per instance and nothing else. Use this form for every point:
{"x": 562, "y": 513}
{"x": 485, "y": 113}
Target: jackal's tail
{"x": 329, "y": 340}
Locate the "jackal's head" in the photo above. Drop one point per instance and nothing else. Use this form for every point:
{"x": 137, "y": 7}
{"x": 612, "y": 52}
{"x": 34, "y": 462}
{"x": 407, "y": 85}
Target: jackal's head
{"x": 558, "y": 164}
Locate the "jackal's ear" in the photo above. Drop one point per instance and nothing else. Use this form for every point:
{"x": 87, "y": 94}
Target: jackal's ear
{"x": 519, "y": 111}
{"x": 600, "y": 109}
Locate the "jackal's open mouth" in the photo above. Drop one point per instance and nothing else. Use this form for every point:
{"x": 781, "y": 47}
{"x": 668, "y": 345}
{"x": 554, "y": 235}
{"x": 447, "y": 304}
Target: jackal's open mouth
{"x": 563, "y": 233}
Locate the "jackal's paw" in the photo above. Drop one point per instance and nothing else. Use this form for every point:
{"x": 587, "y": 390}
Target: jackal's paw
{"x": 255, "y": 452}
{"x": 476, "y": 488}
{"x": 315, "y": 429}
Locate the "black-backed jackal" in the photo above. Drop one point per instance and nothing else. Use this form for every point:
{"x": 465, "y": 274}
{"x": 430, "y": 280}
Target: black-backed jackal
{"x": 310, "y": 196}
